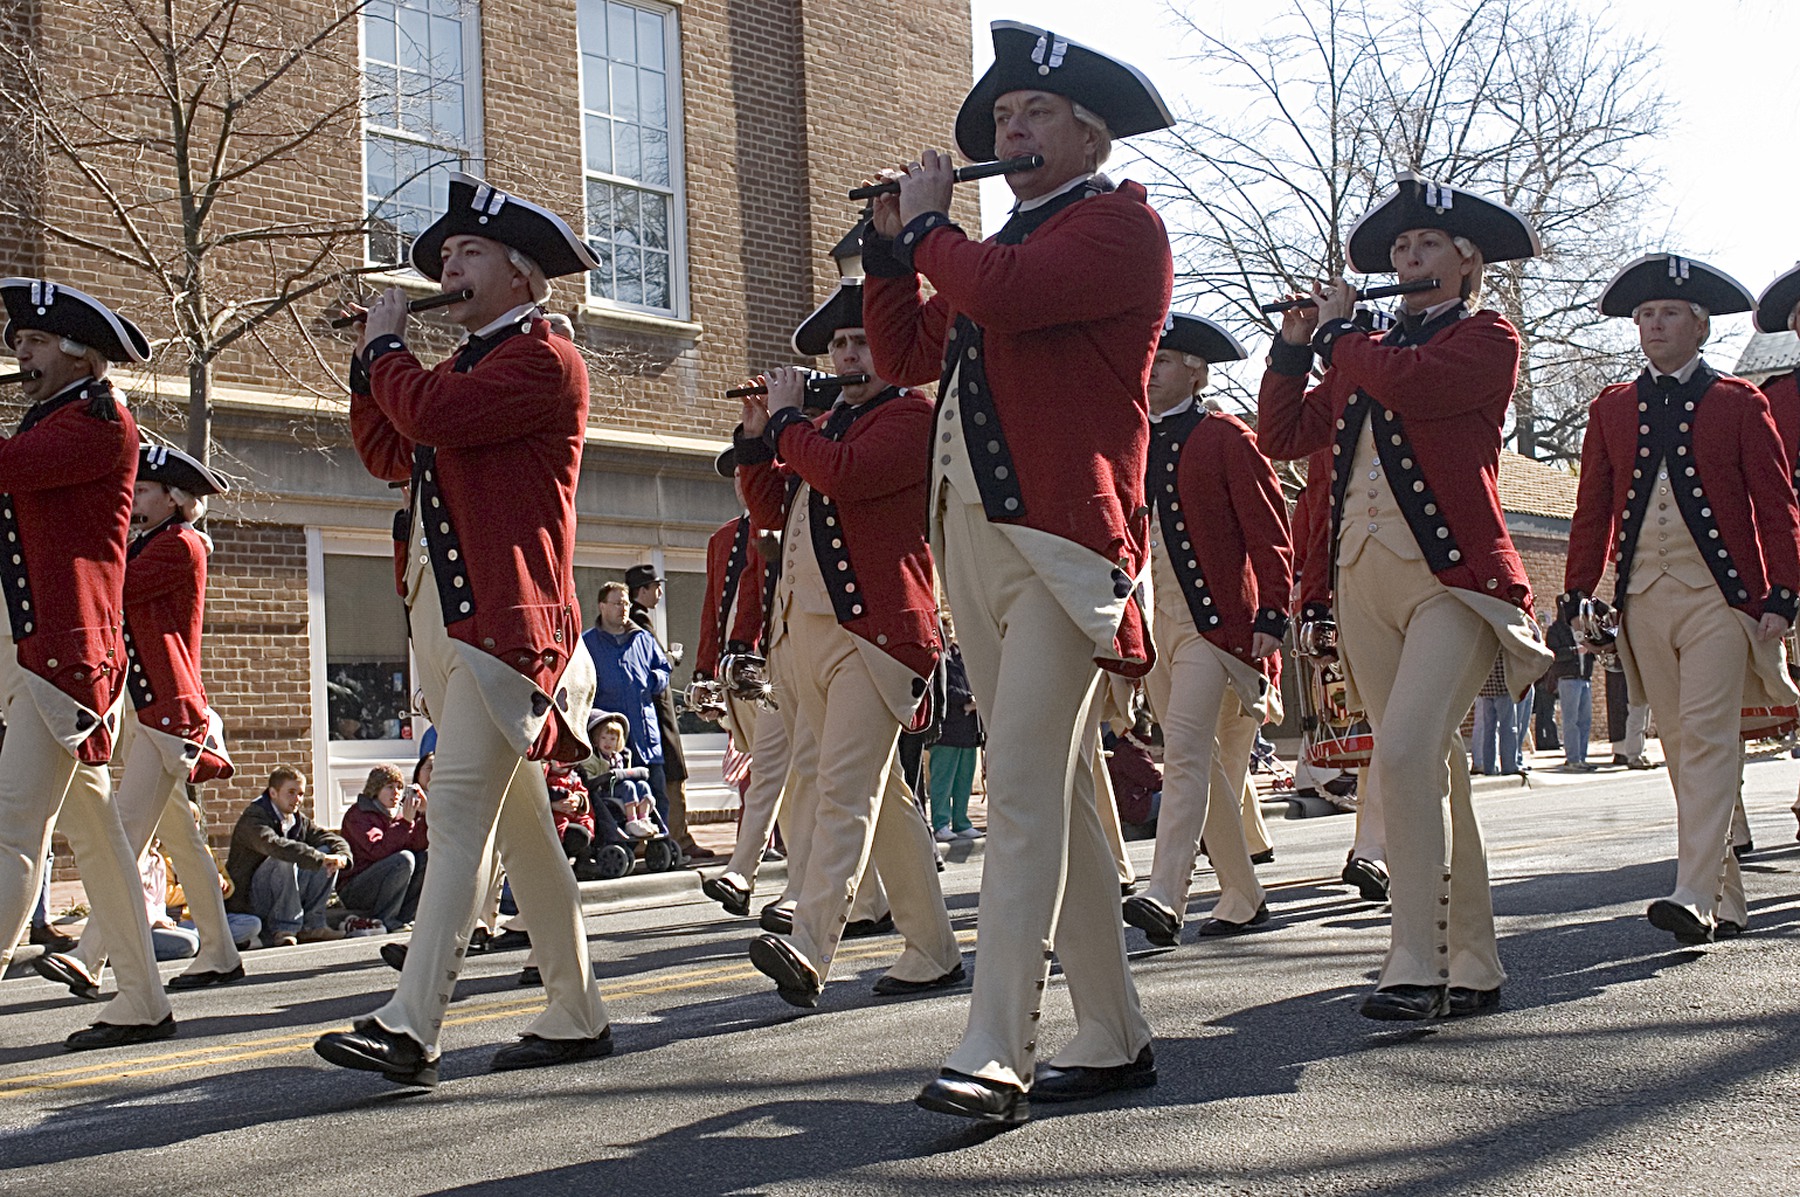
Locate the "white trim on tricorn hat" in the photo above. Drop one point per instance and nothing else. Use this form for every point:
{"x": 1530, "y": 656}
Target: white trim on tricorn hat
{"x": 843, "y": 309}
{"x": 171, "y": 467}
{"x": 1500, "y": 233}
{"x": 35, "y": 303}
{"x": 1027, "y": 58}
{"x": 479, "y": 209}
{"x": 1671, "y": 276}
{"x": 1776, "y": 303}
{"x": 1203, "y": 338}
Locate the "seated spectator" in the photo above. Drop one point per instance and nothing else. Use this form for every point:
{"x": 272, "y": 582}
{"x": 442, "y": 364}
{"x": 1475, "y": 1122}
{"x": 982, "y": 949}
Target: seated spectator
{"x": 1137, "y": 782}
{"x": 170, "y": 941}
{"x": 386, "y": 831}
{"x": 619, "y": 780}
{"x": 283, "y": 866}
{"x": 570, "y": 810}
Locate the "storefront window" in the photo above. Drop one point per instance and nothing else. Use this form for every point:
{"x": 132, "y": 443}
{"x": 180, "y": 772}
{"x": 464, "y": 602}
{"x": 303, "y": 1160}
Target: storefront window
{"x": 368, "y": 678}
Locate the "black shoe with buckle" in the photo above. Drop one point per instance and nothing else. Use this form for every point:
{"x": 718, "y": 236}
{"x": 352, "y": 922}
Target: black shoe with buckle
{"x": 66, "y": 970}
{"x": 1464, "y": 1001}
{"x": 795, "y": 979}
{"x": 1727, "y": 929}
{"x": 1370, "y": 877}
{"x": 1678, "y": 921}
{"x": 530, "y": 977}
{"x": 1081, "y": 1084}
{"x": 508, "y": 941}
{"x": 975, "y": 1098}
{"x": 119, "y": 1034}
{"x": 727, "y": 893}
{"x": 370, "y": 1047}
{"x": 1407, "y": 1003}
{"x": 1213, "y": 928}
{"x": 201, "y": 980}
{"x": 1266, "y": 856}
{"x": 394, "y": 956}
{"x": 1159, "y": 926}
{"x": 864, "y": 928}
{"x": 776, "y": 920}
{"x": 534, "y": 1051}
{"x": 895, "y": 987}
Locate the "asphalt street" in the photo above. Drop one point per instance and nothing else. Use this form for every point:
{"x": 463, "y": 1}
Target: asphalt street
{"x": 1620, "y": 1062}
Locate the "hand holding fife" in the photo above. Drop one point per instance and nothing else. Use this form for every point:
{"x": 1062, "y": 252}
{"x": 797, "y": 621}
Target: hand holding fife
{"x": 1336, "y": 300}
{"x": 755, "y": 415}
{"x": 926, "y": 186}
{"x": 387, "y": 317}
{"x": 1299, "y": 324}
{"x": 884, "y": 210}
{"x": 787, "y": 385}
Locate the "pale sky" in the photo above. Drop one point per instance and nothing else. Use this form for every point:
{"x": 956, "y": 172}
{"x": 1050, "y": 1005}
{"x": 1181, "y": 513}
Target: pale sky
{"x": 1731, "y": 161}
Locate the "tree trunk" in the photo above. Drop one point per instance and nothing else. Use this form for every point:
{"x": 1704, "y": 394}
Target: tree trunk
{"x": 199, "y": 421}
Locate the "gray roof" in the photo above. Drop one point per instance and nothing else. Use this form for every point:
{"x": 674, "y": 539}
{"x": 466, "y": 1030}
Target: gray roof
{"x": 1768, "y": 354}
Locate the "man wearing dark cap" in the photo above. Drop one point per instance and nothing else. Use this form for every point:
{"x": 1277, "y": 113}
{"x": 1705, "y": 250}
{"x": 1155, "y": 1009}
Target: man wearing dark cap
{"x": 1044, "y": 336}
{"x": 1685, "y": 486}
{"x": 176, "y": 738}
{"x": 489, "y": 442}
{"x": 1220, "y": 564}
{"x": 854, "y": 622}
{"x": 66, "y": 479}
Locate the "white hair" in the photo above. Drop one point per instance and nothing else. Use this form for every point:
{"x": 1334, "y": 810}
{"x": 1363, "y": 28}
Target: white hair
{"x": 1472, "y": 282}
{"x": 193, "y": 507}
{"x": 534, "y": 274}
{"x": 1103, "y": 149}
{"x": 1194, "y": 362}
{"x": 97, "y": 363}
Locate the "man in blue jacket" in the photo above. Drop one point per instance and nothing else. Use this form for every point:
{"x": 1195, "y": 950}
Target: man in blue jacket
{"x": 631, "y": 670}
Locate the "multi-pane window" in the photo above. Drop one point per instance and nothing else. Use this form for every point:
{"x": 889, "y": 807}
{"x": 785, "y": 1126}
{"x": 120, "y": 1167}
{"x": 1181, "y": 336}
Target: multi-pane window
{"x": 631, "y": 132}
{"x": 421, "y": 83}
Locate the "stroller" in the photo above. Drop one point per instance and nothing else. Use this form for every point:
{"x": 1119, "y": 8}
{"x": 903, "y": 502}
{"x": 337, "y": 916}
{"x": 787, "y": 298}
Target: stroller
{"x": 616, "y": 850}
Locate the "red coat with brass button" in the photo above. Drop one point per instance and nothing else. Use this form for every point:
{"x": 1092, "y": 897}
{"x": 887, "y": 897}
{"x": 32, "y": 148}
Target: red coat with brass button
{"x": 1451, "y": 395}
{"x": 1311, "y": 523}
{"x": 508, "y": 436}
{"x": 876, "y": 478}
{"x": 67, "y": 481}
{"x": 165, "y": 600}
{"x": 733, "y": 611}
{"x": 1070, "y": 320}
{"x": 1783, "y": 394}
{"x": 1742, "y": 468}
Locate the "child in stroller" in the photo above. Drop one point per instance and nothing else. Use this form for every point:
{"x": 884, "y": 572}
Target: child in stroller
{"x": 625, "y": 816}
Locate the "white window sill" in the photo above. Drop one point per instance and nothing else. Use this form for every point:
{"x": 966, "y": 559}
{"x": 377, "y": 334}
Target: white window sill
{"x": 641, "y": 322}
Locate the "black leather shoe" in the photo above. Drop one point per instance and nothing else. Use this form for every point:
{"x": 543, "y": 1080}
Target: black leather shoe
{"x": 203, "y": 979}
{"x": 1218, "y": 927}
{"x": 509, "y": 941}
{"x": 45, "y": 936}
{"x": 895, "y": 987}
{"x": 394, "y": 955}
{"x": 725, "y": 893}
{"x": 533, "y": 1051}
{"x": 1370, "y": 877}
{"x": 1407, "y": 1003}
{"x": 1266, "y": 856}
{"x": 1726, "y": 929}
{"x": 1464, "y": 1001}
{"x": 1080, "y": 1084}
{"x": 1742, "y": 851}
{"x": 370, "y": 1047}
{"x": 479, "y": 939}
{"x": 1160, "y": 927}
{"x": 795, "y": 979}
{"x": 1127, "y": 888}
{"x": 864, "y": 928}
{"x": 1678, "y": 921}
{"x": 66, "y": 970}
{"x": 775, "y": 920}
{"x": 972, "y": 1097}
{"x": 115, "y": 1034}
{"x": 530, "y": 977}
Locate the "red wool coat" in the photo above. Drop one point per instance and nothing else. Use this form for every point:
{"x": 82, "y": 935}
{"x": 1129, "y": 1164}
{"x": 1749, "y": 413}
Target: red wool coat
{"x": 165, "y": 601}
{"x": 1450, "y": 396}
{"x": 1783, "y": 394}
{"x": 875, "y": 478}
{"x": 1236, "y": 530}
{"x": 67, "y": 484}
{"x": 1070, "y": 321}
{"x": 733, "y": 611}
{"x": 1739, "y": 463}
{"x": 1311, "y": 523}
{"x": 508, "y": 437}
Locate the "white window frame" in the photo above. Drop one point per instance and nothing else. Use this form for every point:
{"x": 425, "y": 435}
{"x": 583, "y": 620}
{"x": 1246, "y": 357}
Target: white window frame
{"x": 474, "y": 113}
{"x": 678, "y": 255}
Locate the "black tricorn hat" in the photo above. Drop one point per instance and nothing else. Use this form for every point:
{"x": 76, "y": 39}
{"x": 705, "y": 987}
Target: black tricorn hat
{"x": 1027, "y": 58}
{"x": 844, "y": 309}
{"x": 1201, "y": 337}
{"x": 1500, "y": 233}
{"x": 172, "y": 467}
{"x": 1776, "y": 303}
{"x": 725, "y": 464}
{"x": 477, "y": 209}
{"x": 35, "y": 303}
{"x": 1671, "y": 276}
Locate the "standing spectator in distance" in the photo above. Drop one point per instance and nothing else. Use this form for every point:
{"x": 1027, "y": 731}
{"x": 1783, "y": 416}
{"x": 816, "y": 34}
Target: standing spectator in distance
{"x": 646, "y": 592}
{"x": 283, "y": 866}
{"x": 1497, "y": 734}
{"x": 1572, "y": 670}
{"x": 630, "y": 671}
{"x": 954, "y": 755}
{"x": 629, "y": 785}
{"x": 570, "y": 811}
{"x": 388, "y": 840}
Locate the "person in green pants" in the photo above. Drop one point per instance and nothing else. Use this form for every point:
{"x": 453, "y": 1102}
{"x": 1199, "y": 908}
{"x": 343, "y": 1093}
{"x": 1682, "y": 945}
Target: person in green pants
{"x": 953, "y": 756}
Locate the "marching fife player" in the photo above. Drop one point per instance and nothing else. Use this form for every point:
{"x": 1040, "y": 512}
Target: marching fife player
{"x": 175, "y": 738}
{"x": 1220, "y": 567}
{"x": 1686, "y": 487}
{"x": 1043, "y": 336}
{"x": 66, "y": 475}
{"x": 855, "y": 632}
{"x": 1778, "y": 308}
{"x": 1428, "y": 586}
{"x": 490, "y": 442}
